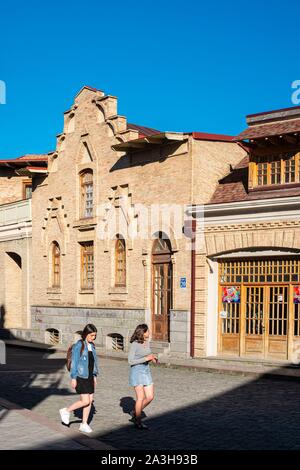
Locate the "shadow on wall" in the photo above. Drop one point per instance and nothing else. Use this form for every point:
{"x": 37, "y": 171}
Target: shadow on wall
{"x": 2, "y": 316}
{"x": 7, "y": 333}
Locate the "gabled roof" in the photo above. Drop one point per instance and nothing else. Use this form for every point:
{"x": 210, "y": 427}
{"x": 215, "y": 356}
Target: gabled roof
{"x": 269, "y": 130}
{"x": 87, "y": 87}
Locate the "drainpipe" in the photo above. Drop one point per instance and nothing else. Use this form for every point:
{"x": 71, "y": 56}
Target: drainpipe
{"x": 193, "y": 273}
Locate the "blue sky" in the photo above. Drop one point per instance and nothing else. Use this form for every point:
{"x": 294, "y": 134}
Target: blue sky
{"x": 174, "y": 65}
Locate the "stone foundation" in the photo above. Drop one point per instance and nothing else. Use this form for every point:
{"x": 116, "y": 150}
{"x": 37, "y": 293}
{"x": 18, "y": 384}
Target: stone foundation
{"x": 180, "y": 333}
{"x": 110, "y": 323}
{"x": 69, "y": 320}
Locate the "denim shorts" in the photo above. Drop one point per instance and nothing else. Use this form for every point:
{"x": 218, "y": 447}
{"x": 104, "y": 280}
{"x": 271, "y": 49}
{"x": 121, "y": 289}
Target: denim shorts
{"x": 140, "y": 374}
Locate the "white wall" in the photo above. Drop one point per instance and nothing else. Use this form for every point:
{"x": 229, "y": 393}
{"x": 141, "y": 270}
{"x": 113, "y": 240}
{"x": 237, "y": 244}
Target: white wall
{"x": 212, "y": 309}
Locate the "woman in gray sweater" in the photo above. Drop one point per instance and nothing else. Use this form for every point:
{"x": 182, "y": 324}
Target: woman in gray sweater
{"x": 140, "y": 375}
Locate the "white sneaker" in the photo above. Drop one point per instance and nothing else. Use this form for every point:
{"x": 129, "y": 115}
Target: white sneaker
{"x": 65, "y": 416}
{"x": 84, "y": 427}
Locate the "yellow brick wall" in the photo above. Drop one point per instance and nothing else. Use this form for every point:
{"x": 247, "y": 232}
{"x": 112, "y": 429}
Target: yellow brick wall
{"x": 11, "y": 186}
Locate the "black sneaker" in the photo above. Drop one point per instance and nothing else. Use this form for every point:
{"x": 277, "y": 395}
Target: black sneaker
{"x": 141, "y": 426}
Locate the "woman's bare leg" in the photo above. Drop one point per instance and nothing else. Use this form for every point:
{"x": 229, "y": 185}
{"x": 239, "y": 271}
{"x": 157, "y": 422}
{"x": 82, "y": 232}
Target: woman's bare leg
{"x": 149, "y": 395}
{"x": 87, "y": 409}
{"x": 139, "y": 391}
{"x": 84, "y": 401}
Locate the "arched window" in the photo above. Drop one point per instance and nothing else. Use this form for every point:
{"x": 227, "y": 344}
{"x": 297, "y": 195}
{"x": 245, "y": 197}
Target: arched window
{"x": 115, "y": 342}
{"x": 161, "y": 247}
{"x": 55, "y": 265}
{"x": 86, "y": 187}
{"x": 120, "y": 256}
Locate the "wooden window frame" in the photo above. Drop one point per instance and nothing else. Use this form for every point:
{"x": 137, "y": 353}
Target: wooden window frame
{"x": 282, "y": 157}
{"x": 254, "y": 268}
{"x": 84, "y": 192}
{"x": 56, "y": 278}
{"x": 86, "y": 249}
{"x": 121, "y": 278}
{"x": 251, "y": 271}
{"x": 26, "y": 184}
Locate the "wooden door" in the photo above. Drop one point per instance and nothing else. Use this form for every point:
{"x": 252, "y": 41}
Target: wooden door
{"x": 278, "y": 319}
{"x": 254, "y": 330}
{"x": 161, "y": 304}
{"x": 266, "y": 321}
{"x": 229, "y": 340}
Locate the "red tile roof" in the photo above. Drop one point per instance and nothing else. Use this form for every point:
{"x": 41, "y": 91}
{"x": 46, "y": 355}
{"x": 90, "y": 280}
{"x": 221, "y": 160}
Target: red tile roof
{"x": 214, "y": 137}
{"x": 142, "y": 130}
{"x": 272, "y": 129}
{"x": 147, "y": 131}
{"x": 33, "y": 157}
{"x": 243, "y": 163}
{"x": 234, "y": 186}
{"x": 25, "y": 160}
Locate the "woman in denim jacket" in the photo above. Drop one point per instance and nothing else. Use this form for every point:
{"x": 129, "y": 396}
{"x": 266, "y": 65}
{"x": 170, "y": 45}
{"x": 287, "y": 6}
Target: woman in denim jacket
{"x": 84, "y": 370}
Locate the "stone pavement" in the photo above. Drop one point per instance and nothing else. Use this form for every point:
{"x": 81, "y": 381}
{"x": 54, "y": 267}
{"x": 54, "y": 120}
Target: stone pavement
{"x": 22, "y": 429}
{"x": 193, "y": 410}
{"x": 19, "y": 432}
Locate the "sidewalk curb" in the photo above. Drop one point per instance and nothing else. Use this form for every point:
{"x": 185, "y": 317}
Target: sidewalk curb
{"x": 276, "y": 374}
{"x": 86, "y": 441}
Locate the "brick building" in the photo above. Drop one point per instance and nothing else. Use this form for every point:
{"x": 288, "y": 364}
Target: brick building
{"x": 104, "y": 250}
{"x": 247, "y": 274}
{"x": 15, "y": 239}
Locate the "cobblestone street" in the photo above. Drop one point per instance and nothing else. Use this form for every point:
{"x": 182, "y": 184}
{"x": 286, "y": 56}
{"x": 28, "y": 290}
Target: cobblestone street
{"x": 191, "y": 410}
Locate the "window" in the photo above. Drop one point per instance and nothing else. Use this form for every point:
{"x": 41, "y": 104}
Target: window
{"x": 55, "y": 265}
{"x": 276, "y": 172}
{"x": 120, "y": 255}
{"x": 27, "y": 189}
{"x": 87, "y": 265}
{"x": 115, "y": 342}
{"x": 87, "y": 194}
{"x": 262, "y": 174}
{"x": 289, "y": 170}
{"x": 52, "y": 336}
{"x": 282, "y": 169}
{"x": 260, "y": 271}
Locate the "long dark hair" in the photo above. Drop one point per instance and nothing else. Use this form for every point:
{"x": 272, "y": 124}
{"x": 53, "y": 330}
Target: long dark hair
{"x": 138, "y": 334}
{"x": 89, "y": 328}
